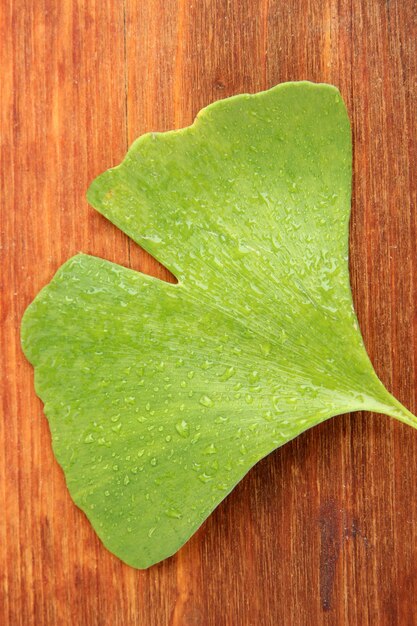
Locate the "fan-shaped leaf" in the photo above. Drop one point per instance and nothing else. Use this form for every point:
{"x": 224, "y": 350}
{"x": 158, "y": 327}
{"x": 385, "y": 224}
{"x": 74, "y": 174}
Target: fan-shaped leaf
{"x": 161, "y": 397}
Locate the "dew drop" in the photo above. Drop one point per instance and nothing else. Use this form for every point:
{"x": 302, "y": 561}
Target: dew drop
{"x": 222, "y": 486}
{"x": 276, "y": 403}
{"x": 275, "y": 243}
{"x": 205, "y": 478}
{"x": 174, "y": 513}
{"x": 220, "y": 419}
{"x": 206, "y": 401}
{"x": 182, "y": 428}
{"x": 265, "y": 348}
{"x": 211, "y": 449}
{"x": 227, "y": 374}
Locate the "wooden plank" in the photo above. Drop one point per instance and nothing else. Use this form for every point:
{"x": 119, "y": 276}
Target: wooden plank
{"x": 56, "y": 64}
{"x": 323, "y": 531}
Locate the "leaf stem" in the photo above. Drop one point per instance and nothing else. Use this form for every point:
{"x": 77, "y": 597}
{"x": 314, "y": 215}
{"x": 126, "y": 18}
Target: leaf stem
{"x": 392, "y": 407}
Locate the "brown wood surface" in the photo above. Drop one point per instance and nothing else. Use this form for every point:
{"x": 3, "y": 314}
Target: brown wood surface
{"x": 324, "y": 530}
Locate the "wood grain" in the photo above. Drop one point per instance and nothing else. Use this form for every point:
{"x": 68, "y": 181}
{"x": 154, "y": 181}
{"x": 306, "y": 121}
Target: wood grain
{"x": 323, "y": 531}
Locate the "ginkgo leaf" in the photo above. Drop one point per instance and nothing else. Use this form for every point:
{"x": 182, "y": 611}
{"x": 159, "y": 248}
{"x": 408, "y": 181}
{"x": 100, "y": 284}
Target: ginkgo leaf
{"x": 160, "y": 397}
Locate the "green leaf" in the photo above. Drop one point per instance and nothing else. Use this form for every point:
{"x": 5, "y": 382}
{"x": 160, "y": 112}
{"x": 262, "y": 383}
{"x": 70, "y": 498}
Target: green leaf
{"x": 160, "y": 397}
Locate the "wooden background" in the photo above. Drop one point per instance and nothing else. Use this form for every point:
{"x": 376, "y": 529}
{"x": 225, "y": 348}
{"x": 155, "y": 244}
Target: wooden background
{"x": 323, "y": 531}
